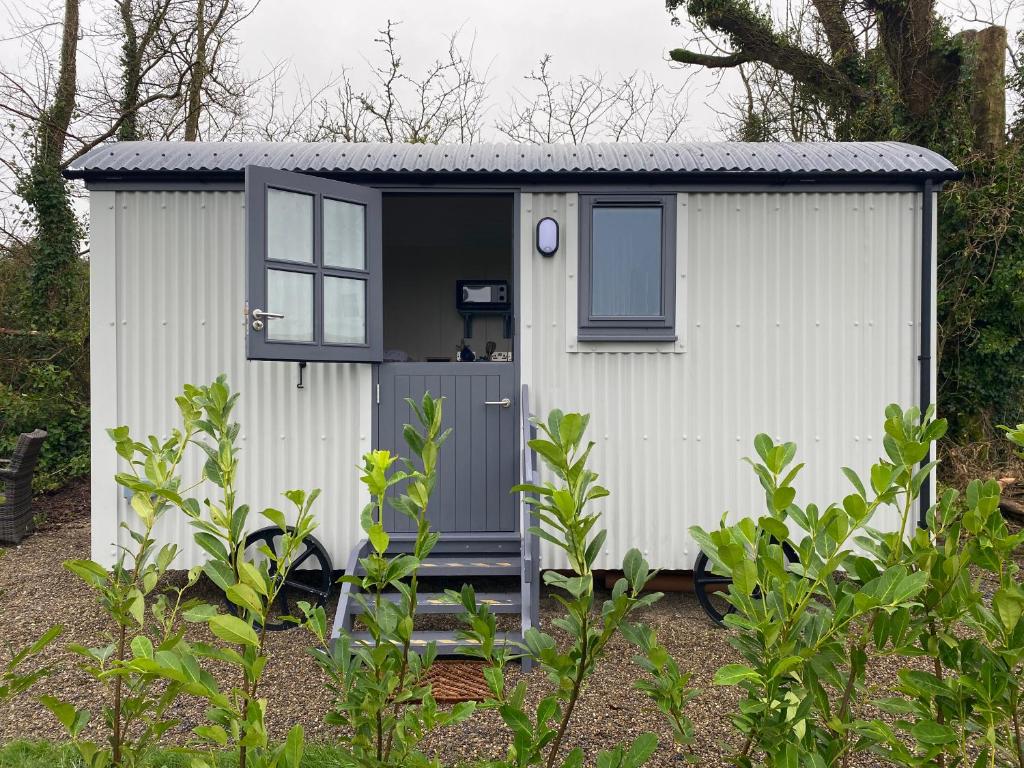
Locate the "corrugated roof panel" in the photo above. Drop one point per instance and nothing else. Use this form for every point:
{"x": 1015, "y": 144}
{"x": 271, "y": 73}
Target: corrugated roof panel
{"x": 739, "y": 158}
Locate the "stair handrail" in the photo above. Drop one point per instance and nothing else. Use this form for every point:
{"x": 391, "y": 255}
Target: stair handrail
{"x": 343, "y": 616}
{"x": 530, "y": 556}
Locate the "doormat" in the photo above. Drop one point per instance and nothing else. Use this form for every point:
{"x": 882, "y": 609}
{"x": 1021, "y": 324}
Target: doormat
{"x": 455, "y": 681}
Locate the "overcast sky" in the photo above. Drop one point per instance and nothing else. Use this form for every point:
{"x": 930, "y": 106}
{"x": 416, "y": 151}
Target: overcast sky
{"x": 616, "y": 36}
{"x": 322, "y": 37}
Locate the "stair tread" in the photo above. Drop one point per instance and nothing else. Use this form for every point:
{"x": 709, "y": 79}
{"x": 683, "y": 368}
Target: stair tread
{"x": 438, "y": 602}
{"x": 459, "y": 565}
{"x": 445, "y": 640}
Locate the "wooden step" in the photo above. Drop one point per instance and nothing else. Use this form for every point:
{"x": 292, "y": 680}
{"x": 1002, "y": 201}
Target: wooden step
{"x": 464, "y": 565}
{"x": 438, "y": 602}
{"x": 446, "y": 642}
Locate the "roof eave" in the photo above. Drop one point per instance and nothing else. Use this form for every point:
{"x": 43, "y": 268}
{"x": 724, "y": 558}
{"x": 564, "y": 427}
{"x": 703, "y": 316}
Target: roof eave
{"x": 512, "y": 177}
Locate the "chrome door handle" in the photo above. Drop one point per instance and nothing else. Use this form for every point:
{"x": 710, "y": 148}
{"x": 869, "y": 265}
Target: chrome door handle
{"x": 504, "y": 402}
{"x": 259, "y": 314}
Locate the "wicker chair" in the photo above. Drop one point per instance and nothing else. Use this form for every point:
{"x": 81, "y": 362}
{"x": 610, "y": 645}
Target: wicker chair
{"x": 16, "y": 487}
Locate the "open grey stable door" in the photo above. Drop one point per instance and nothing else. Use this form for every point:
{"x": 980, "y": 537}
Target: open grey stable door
{"x": 313, "y": 268}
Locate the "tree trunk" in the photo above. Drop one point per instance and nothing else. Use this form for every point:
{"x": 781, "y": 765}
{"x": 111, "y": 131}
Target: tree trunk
{"x": 131, "y": 73}
{"x": 194, "y": 103}
{"x": 988, "y": 81}
{"x": 55, "y": 249}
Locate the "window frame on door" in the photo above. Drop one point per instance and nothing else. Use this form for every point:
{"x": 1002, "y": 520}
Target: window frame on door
{"x": 661, "y": 327}
{"x": 258, "y": 182}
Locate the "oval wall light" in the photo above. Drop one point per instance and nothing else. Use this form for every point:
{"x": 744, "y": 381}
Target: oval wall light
{"x": 547, "y": 236}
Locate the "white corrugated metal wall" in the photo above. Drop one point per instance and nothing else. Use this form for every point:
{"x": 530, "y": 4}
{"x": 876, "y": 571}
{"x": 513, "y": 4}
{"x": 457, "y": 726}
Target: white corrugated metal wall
{"x": 180, "y": 288}
{"x": 798, "y": 316}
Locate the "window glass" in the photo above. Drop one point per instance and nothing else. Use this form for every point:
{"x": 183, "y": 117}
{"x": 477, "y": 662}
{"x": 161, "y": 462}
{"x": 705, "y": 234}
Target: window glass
{"x": 289, "y": 226}
{"x": 344, "y": 234}
{"x": 344, "y": 310}
{"x": 290, "y": 294}
{"x": 626, "y": 262}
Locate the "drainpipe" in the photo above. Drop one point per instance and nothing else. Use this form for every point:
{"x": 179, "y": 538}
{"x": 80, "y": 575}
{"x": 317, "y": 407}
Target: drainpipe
{"x": 925, "y": 356}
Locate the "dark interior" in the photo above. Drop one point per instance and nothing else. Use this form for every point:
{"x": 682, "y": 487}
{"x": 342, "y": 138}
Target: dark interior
{"x": 430, "y": 242}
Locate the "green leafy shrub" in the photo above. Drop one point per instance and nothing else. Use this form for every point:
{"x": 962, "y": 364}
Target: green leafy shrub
{"x": 132, "y": 664}
{"x": 811, "y": 631}
{"x": 980, "y": 294}
{"x": 538, "y": 737}
{"x": 44, "y": 372}
{"x": 380, "y": 693}
{"x": 251, "y": 582}
{"x": 148, "y": 661}
{"x": 14, "y": 678}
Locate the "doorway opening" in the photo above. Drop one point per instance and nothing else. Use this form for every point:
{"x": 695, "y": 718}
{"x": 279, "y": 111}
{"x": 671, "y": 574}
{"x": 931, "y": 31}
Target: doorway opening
{"x": 448, "y": 271}
{"x": 448, "y": 277}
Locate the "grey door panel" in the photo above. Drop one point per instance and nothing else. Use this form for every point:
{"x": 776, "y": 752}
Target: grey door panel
{"x": 477, "y": 464}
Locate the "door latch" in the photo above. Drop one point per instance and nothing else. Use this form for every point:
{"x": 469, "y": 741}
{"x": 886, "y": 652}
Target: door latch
{"x": 259, "y": 314}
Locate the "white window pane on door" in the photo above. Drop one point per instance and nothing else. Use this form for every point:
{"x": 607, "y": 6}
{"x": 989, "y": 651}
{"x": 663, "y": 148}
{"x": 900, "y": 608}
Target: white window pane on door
{"x": 290, "y": 294}
{"x": 344, "y": 234}
{"x": 626, "y": 262}
{"x": 289, "y": 226}
{"x": 344, "y": 310}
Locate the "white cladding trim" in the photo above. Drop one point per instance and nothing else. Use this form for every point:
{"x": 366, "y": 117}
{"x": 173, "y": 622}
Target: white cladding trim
{"x": 103, "y": 378}
{"x": 802, "y": 321}
{"x": 180, "y": 292}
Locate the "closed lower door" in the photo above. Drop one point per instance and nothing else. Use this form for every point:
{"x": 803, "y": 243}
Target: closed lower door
{"x": 477, "y": 464}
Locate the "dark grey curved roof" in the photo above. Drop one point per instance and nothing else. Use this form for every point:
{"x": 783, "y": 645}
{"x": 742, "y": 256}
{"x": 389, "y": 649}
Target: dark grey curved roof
{"x": 699, "y": 158}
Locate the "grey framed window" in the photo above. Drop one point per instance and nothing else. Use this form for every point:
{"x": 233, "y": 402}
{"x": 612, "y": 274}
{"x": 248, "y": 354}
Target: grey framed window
{"x": 627, "y": 267}
{"x": 313, "y": 250}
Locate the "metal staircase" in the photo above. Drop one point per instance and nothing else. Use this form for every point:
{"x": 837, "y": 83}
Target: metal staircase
{"x": 463, "y": 559}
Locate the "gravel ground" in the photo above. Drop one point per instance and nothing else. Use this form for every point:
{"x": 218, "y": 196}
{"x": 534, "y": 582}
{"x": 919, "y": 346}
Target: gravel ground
{"x": 35, "y": 591}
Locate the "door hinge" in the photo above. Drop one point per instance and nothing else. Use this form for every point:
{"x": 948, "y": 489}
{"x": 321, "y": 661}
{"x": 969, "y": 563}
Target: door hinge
{"x": 378, "y": 393}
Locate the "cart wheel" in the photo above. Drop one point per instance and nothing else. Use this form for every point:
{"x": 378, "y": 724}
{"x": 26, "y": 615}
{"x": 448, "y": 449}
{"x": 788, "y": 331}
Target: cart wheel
{"x": 310, "y": 579}
{"x": 710, "y": 588}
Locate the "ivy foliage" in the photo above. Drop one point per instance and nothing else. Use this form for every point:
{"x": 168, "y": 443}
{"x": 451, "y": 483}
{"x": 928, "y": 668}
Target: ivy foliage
{"x": 981, "y": 294}
{"x": 44, "y": 369}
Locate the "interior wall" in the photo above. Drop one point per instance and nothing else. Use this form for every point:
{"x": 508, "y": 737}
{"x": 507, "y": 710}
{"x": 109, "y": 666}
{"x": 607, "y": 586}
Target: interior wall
{"x": 430, "y": 241}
